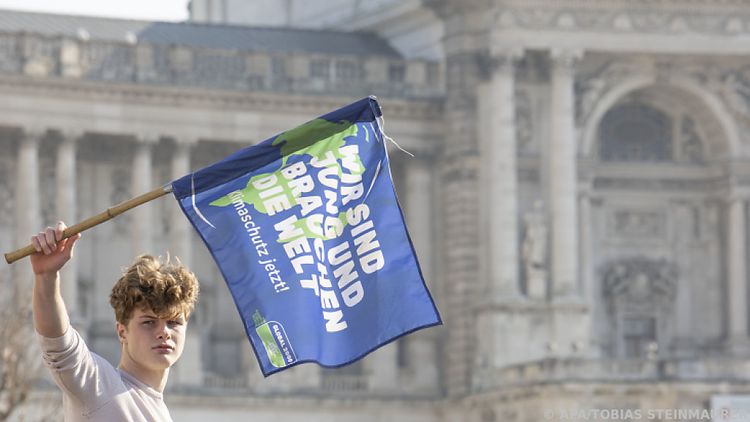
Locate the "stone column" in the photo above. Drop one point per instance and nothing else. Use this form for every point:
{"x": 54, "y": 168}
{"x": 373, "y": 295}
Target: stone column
{"x": 28, "y": 216}
{"x": 190, "y": 368}
{"x": 584, "y": 222}
{"x": 683, "y": 339}
{"x": 67, "y": 212}
{"x": 736, "y": 256}
{"x": 180, "y": 235}
{"x": 585, "y": 227}
{"x": 418, "y": 206}
{"x": 142, "y": 216}
{"x": 562, "y": 177}
{"x": 382, "y": 368}
{"x": 421, "y": 346}
{"x": 498, "y": 179}
{"x": 582, "y": 345}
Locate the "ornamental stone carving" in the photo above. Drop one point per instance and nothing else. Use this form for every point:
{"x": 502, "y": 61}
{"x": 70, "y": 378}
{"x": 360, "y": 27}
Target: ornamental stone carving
{"x": 640, "y": 294}
{"x": 638, "y": 224}
{"x": 591, "y": 86}
{"x": 504, "y": 60}
{"x": 691, "y": 146}
{"x": 640, "y": 279}
{"x": 540, "y": 15}
{"x": 735, "y": 89}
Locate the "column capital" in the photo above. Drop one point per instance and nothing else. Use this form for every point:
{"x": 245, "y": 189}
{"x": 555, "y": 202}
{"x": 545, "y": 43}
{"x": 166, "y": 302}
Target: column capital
{"x": 147, "y": 138}
{"x": 735, "y": 192}
{"x": 188, "y": 141}
{"x": 506, "y": 54}
{"x": 499, "y": 59}
{"x": 565, "y": 58}
{"x": 183, "y": 145}
{"x": 734, "y": 199}
{"x": 68, "y": 135}
{"x": 33, "y": 133}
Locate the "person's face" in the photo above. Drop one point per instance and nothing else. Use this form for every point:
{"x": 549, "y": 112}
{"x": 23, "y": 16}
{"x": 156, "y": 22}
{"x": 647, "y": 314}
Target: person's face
{"x": 151, "y": 342}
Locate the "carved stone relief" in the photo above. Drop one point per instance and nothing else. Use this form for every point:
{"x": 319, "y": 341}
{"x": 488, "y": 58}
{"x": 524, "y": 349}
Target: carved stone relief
{"x": 689, "y": 141}
{"x": 730, "y": 84}
{"x": 530, "y": 15}
{"x": 639, "y": 278}
{"x": 591, "y": 86}
{"x": 639, "y": 293}
{"x": 637, "y": 224}
{"x": 734, "y": 89}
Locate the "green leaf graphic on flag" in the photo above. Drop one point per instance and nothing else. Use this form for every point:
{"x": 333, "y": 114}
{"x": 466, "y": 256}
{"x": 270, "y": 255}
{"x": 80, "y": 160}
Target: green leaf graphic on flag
{"x": 314, "y": 138}
{"x": 325, "y": 143}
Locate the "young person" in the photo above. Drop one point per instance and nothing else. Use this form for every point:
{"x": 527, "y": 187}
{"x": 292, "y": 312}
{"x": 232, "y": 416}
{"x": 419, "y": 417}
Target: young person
{"x": 152, "y": 302}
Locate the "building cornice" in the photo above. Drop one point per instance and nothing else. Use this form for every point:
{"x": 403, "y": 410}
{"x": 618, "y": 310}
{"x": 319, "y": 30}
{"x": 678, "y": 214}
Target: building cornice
{"x": 182, "y": 97}
{"x": 666, "y": 26}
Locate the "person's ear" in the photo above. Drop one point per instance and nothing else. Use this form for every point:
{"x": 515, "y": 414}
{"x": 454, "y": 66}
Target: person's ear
{"x": 120, "y": 332}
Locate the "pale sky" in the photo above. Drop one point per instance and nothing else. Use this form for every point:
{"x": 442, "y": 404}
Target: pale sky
{"x": 161, "y": 10}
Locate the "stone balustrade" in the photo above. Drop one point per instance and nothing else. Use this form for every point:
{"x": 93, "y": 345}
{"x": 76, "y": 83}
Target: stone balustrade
{"x": 158, "y": 64}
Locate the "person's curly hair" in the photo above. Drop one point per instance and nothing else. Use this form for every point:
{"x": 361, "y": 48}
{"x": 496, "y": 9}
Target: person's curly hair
{"x": 168, "y": 289}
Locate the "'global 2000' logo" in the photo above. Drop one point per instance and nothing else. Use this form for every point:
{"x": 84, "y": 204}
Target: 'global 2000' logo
{"x": 277, "y": 345}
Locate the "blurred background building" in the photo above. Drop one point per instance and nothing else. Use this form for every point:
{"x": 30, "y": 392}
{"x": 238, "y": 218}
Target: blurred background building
{"x": 578, "y": 196}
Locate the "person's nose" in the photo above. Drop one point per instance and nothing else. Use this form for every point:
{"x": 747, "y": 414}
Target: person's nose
{"x": 163, "y": 332}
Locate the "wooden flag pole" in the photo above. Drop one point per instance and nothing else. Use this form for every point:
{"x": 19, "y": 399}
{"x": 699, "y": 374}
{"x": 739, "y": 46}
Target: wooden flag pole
{"x": 95, "y": 220}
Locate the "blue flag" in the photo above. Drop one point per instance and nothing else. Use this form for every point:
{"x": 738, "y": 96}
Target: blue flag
{"x": 311, "y": 241}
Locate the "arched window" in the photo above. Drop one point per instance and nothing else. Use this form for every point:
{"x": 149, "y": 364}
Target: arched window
{"x": 636, "y": 132}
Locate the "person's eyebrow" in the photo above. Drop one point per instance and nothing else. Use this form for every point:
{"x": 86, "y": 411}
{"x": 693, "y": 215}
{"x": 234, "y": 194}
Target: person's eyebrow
{"x": 149, "y": 316}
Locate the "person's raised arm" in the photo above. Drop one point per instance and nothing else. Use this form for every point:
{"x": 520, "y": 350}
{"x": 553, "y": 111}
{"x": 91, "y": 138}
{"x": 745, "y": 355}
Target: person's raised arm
{"x": 50, "y": 316}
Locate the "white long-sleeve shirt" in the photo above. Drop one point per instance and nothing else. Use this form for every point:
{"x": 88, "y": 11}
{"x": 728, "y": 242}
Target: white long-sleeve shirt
{"x": 93, "y": 389}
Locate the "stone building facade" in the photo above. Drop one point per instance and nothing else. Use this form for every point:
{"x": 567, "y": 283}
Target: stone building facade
{"x": 578, "y": 196}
